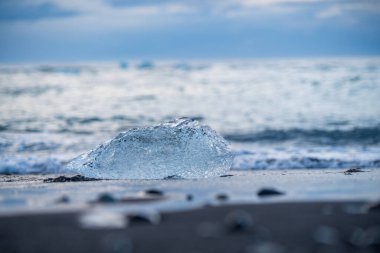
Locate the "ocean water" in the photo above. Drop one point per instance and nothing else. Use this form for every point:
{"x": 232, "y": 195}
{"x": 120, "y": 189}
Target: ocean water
{"x": 276, "y": 114}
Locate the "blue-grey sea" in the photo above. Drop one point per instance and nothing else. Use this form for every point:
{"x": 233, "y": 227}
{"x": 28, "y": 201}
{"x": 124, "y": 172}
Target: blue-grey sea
{"x": 275, "y": 113}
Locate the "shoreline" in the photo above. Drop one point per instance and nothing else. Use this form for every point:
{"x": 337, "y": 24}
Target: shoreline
{"x": 30, "y": 194}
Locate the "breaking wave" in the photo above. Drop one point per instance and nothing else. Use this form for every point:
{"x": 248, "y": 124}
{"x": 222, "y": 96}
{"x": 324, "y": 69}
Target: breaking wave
{"x": 244, "y": 163}
{"x": 30, "y": 165}
{"x": 365, "y": 135}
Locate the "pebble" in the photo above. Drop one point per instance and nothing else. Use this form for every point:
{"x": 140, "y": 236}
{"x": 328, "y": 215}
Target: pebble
{"x": 227, "y": 175}
{"x": 63, "y": 199}
{"x": 144, "y": 217}
{"x": 173, "y": 177}
{"x": 63, "y": 179}
{"x": 106, "y": 198}
{"x": 265, "y": 192}
{"x": 154, "y": 192}
{"x": 238, "y": 221}
{"x": 221, "y": 197}
{"x": 373, "y": 207}
{"x": 350, "y": 171}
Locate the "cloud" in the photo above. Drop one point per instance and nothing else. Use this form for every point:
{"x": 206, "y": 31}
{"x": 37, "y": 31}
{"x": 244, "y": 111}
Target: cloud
{"x": 124, "y": 12}
{"x": 94, "y": 16}
{"x": 109, "y": 28}
{"x": 25, "y": 11}
{"x": 341, "y": 8}
{"x": 255, "y": 3}
{"x": 330, "y": 12}
{"x": 21, "y": 10}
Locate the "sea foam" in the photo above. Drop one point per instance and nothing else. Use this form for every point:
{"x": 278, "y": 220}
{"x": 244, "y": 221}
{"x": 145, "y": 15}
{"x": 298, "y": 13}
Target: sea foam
{"x": 182, "y": 148}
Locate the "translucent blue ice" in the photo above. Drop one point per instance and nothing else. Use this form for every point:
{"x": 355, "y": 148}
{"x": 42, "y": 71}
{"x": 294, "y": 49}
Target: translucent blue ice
{"x": 180, "y": 148}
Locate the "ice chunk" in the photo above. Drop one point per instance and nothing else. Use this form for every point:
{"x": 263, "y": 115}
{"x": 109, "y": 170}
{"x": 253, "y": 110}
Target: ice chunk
{"x": 180, "y": 148}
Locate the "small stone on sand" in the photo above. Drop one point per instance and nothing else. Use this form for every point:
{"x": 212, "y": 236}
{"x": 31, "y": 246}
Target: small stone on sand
{"x": 266, "y": 192}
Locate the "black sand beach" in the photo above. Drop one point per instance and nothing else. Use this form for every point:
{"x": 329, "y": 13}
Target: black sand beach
{"x": 247, "y": 211}
{"x": 272, "y": 228}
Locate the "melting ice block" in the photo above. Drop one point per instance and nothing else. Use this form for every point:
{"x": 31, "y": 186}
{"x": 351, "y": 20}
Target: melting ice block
{"x": 181, "y": 148}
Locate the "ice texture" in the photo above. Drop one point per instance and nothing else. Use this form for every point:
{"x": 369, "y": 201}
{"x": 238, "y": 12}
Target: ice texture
{"x": 181, "y": 148}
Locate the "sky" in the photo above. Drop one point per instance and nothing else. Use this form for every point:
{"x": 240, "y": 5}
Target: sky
{"x": 79, "y": 30}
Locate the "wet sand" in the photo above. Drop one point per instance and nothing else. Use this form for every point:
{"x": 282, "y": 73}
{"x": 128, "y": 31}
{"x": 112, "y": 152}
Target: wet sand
{"x": 246, "y": 211}
{"x": 272, "y": 228}
{"x": 35, "y": 194}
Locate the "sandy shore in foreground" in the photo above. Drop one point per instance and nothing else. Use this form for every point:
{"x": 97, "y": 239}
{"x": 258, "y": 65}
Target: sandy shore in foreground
{"x": 300, "y": 211}
{"x": 272, "y": 228}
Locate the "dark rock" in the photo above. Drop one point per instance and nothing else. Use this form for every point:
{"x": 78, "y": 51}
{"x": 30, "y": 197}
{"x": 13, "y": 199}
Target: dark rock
{"x": 141, "y": 199}
{"x": 227, "y": 175}
{"x": 144, "y": 218}
{"x": 221, "y": 197}
{"x": 266, "y": 192}
{"x": 350, "y": 171}
{"x": 173, "y": 177}
{"x": 189, "y": 197}
{"x": 62, "y": 179}
{"x": 238, "y": 221}
{"x": 154, "y": 192}
{"x": 63, "y": 199}
{"x": 138, "y": 219}
{"x": 374, "y": 207}
{"x": 207, "y": 205}
{"x": 106, "y": 198}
